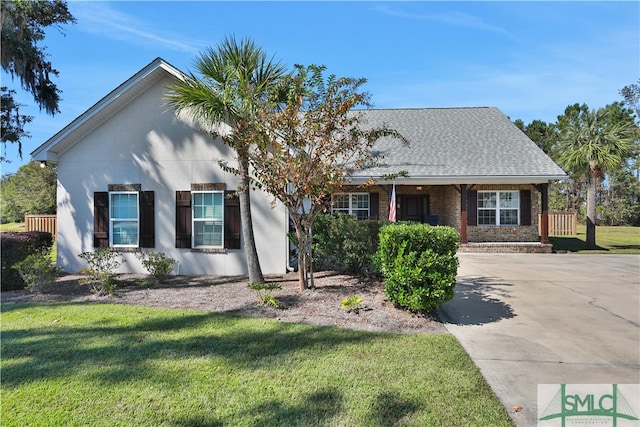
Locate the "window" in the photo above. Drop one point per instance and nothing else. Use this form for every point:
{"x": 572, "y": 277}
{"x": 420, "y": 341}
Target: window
{"x": 208, "y": 221}
{"x": 356, "y": 204}
{"x": 498, "y": 207}
{"x": 124, "y": 220}
{"x": 123, "y": 217}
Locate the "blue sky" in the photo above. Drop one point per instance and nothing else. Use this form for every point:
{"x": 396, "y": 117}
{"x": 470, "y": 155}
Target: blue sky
{"x": 529, "y": 59}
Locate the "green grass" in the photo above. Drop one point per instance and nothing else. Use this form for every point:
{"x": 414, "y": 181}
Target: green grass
{"x": 106, "y": 365}
{"x": 11, "y": 226}
{"x": 611, "y": 240}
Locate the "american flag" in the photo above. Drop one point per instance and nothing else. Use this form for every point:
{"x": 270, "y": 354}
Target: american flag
{"x": 392, "y": 205}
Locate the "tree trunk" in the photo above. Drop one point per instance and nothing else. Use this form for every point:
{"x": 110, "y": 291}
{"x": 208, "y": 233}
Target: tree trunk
{"x": 253, "y": 264}
{"x": 302, "y": 258}
{"x": 591, "y": 211}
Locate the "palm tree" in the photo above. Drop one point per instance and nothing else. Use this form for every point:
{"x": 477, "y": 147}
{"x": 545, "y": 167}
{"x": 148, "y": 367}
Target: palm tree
{"x": 235, "y": 78}
{"x": 592, "y": 143}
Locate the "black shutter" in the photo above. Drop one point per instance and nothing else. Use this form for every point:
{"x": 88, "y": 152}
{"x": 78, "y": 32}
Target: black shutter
{"x": 147, "y": 220}
{"x": 232, "y": 224}
{"x": 472, "y": 207}
{"x": 525, "y": 207}
{"x": 374, "y": 205}
{"x": 183, "y": 219}
{"x": 101, "y": 219}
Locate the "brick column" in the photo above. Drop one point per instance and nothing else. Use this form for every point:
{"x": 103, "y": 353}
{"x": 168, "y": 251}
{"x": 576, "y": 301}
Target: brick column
{"x": 463, "y": 213}
{"x": 544, "y": 217}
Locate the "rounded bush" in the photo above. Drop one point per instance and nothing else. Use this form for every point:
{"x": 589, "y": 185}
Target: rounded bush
{"x": 418, "y": 264}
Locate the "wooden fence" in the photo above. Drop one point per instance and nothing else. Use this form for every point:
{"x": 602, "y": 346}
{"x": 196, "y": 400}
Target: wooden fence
{"x": 562, "y": 223}
{"x": 46, "y": 223}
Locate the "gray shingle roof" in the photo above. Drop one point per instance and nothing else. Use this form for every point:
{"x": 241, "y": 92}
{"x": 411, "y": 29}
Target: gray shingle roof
{"x": 456, "y": 143}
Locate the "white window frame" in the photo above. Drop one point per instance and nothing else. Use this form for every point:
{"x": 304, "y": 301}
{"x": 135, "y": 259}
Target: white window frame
{"x": 195, "y": 220}
{"x": 498, "y": 208}
{"x": 112, "y": 220}
{"x": 351, "y": 209}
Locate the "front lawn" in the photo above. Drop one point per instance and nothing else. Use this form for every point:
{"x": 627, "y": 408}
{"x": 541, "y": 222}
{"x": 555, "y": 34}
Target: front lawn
{"x": 611, "y": 240}
{"x": 107, "y": 364}
{"x": 11, "y": 226}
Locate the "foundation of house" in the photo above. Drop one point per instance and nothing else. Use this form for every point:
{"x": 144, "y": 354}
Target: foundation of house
{"x": 506, "y": 247}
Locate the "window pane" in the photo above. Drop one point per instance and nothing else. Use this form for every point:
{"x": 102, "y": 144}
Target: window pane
{"x": 208, "y": 205}
{"x": 486, "y": 200}
{"x": 207, "y": 233}
{"x": 508, "y": 217}
{"x": 509, "y": 199}
{"x": 208, "y": 211}
{"x": 360, "y": 201}
{"x": 341, "y": 202}
{"x": 124, "y": 206}
{"x": 125, "y": 233}
{"x": 487, "y": 217}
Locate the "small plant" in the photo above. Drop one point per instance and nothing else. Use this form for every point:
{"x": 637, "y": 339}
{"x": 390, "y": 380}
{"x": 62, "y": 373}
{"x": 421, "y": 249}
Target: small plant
{"x": 157, "y": 264}
{"x": 352, "y": 304}
{"x": 263, "y": 290}
{"x": 37, "y": 271}
{"x": 101, "y": 273}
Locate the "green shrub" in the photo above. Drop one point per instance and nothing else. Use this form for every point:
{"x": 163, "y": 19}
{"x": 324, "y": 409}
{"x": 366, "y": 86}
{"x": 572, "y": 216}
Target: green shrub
{"x": 15, "y": 247}
{"x": 157, "y": 264}
{"x": 101, "y": 273}
{"x": 37, "y": 271}
{"x": 263, "y": 292}
{"x": 352, "y": 304}
{"x": 418, "y": 264}
{"x": 345, "y": 244}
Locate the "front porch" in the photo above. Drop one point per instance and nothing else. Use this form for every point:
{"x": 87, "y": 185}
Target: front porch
{"x": 521, "y": 226}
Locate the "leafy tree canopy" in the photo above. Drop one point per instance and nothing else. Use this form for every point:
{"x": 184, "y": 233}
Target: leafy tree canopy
{"x": 308, "y": 141}
{"x": 31, "y": 190}
{"x": 23, "y": 27}
{"x": 12, "y": 121}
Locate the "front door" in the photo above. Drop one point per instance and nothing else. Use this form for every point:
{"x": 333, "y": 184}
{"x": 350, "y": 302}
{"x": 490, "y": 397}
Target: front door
{"x": 414, "y": 208}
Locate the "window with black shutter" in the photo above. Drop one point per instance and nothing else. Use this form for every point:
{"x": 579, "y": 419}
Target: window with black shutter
{"x": 185, "y": 218}
{"x": 119, "y": 223}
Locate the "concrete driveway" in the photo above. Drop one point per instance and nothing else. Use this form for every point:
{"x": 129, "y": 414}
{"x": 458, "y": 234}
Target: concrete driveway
{"x": 529, "y": 319}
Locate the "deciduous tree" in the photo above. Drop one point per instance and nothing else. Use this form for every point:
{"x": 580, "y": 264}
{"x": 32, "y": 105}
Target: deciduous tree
{"x": 308, "y": 142}
{"x": 31, "y": 190}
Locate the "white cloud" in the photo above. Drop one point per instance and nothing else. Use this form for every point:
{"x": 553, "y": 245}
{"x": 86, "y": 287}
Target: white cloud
{"x": 103, "y": 19}
{"x": 457, "y": 19}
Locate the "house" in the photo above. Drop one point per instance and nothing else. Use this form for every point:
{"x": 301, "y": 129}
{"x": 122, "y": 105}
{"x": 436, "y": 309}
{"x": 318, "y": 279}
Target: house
{"x": 132, "y": 175}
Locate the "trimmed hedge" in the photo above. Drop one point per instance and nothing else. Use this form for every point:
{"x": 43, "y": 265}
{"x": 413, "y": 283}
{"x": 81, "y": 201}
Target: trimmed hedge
{"x": 345, "y": 244}
{"x": 418, "y": 264}
{"x": 15, "y": 247}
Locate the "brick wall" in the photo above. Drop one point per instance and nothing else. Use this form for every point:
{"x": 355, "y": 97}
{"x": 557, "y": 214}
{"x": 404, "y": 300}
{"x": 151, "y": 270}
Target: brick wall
{"x": 444, "y": 201}
{"x": 503, "y": 233}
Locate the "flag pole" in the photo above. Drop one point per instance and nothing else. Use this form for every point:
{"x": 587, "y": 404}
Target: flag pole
{"x": 392, "y": 204}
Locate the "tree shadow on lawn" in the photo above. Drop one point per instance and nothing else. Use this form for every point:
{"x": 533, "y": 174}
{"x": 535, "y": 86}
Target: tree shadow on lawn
{"x": 475, "y": 303}
{"x": 570, "y": 244}
{"x": 115, "y": 352}
{"x": 317, "y": 408}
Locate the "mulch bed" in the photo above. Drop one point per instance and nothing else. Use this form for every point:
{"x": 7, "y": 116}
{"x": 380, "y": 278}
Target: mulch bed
{"x": 319, "y": 306}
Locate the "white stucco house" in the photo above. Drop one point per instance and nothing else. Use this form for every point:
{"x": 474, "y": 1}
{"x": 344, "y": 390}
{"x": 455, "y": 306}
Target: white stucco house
{"x": 131, "y": 175}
